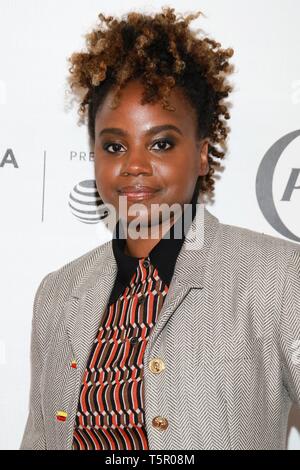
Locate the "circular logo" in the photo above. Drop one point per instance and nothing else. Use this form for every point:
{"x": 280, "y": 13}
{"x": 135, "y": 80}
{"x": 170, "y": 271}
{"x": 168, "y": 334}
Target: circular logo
{"x": 86, "y": 204}
{"x": 264, "y": 184}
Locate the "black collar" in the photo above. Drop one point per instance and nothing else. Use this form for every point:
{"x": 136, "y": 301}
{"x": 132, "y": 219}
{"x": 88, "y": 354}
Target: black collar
{"x": 163, "y": 255}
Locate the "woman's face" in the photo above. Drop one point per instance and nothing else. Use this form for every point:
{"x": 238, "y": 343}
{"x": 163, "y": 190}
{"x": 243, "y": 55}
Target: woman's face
{"x": 133, "y": 145}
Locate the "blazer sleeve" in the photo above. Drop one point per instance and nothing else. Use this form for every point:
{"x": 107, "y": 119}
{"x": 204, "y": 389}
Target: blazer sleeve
{"x": 34, "y": 432}
{"x": 289, "y": 332}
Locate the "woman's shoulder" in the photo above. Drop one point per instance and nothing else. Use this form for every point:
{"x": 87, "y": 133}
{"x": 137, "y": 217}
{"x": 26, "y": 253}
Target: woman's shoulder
{"x": 56, "y": 288}
{"x": 257, "y": 247}
{"x": 63, "y": 280}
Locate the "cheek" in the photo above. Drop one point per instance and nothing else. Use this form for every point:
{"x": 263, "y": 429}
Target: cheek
{"x": 178, "y": 177}
{"x": 104, "y": 175}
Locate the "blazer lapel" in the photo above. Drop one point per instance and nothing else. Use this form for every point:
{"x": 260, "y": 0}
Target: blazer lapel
{"x": 89, "y": 299}
{"x": 189, "y": 268}
{"x": 87, "y": 304}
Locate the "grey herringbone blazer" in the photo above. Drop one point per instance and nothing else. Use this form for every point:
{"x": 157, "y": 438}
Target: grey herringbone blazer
{"x": 228, "y": 333}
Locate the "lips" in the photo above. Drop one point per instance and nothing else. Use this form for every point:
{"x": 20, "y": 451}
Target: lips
{"x": 137, "y": 189}
{"x": 138, "y": 192}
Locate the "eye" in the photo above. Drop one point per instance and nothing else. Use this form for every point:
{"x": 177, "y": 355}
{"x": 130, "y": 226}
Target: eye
{"x": 117, "y": 147}
{"x": 164, "y": 142}
{"x": 112, "y": 144}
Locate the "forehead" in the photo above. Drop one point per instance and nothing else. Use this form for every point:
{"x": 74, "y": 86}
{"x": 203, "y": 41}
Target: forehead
{"x": 131, "y": 111}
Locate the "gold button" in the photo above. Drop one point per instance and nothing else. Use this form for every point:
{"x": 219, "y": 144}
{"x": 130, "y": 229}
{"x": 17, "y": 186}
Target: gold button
{"x": 156, "y": 365}
{"x": 160, "y": 423}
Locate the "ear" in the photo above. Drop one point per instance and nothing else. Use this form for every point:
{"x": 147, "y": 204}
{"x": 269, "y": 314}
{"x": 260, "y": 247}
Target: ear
{"x": 203, "y": 157}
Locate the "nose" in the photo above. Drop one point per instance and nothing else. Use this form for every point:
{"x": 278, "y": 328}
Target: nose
{"x": 136, "y": 162}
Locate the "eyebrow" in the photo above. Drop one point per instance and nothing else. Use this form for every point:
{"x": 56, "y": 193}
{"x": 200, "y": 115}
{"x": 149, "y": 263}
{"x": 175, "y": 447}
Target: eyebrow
{"x": 151, "y": 131}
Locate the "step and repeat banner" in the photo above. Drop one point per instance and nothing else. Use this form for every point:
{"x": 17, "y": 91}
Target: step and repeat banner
{"x": 47, "y": 183}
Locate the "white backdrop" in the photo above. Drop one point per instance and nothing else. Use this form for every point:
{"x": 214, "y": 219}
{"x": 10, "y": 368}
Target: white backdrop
{"x": 44, "y": 154}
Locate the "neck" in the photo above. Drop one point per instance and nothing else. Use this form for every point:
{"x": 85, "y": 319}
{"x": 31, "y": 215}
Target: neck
{"x": 141, "y": 247}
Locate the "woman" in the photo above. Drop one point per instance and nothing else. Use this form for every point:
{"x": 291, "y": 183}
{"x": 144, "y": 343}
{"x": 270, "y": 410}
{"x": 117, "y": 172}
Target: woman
{"x": 160, "y": 342}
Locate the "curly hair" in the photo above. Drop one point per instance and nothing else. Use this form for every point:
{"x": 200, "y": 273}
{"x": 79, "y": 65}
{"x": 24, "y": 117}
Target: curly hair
{"x": 163, "y": 52}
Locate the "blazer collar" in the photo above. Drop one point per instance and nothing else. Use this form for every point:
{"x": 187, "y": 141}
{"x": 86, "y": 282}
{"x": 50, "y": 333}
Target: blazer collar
{"x": 190, "y": 263}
